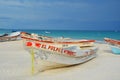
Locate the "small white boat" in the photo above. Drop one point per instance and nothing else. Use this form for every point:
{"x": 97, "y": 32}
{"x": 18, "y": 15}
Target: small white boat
{"x": 10, "y": 37}
{"x": 52, "y": 56}
{"x": 47, "y": 32}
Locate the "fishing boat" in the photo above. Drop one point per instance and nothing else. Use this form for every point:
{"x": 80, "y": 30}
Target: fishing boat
{"x": 115, "y": 49}
{"x": 62, "y": 42}
{"x": 114, "y": 44}
{"x": 10, "y": 37}
{"x": 52, "y": 56}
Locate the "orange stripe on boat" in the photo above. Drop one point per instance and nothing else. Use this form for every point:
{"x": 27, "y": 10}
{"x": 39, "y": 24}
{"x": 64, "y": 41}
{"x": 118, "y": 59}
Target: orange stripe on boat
{"x": 84, "y": 41}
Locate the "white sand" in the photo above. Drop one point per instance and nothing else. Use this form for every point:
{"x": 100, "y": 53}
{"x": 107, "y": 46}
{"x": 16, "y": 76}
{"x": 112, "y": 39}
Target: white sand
{"x": 15, "y": 64}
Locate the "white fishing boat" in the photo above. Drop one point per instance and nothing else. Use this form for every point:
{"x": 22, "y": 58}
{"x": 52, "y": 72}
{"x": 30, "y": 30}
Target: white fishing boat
{"x": 52, "y": 56}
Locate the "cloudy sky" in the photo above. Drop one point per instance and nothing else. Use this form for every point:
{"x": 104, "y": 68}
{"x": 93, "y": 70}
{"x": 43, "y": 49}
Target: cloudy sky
{"x": 60, "y": 14}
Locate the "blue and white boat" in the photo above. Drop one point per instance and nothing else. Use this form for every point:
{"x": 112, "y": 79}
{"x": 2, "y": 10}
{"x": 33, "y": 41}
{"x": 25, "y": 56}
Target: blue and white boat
{"x": 114, "y": 44}
{"x": 115, "y": 49}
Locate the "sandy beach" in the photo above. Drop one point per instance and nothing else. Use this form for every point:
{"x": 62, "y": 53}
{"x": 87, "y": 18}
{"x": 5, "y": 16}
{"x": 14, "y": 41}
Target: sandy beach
{"x": 15, "y": 64}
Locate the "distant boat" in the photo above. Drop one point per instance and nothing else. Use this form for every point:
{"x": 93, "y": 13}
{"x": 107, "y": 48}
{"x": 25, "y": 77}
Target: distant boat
{"x": 47, "y": 32}
{"x": 114, "y": 44}
{"x": 10, "y": 37}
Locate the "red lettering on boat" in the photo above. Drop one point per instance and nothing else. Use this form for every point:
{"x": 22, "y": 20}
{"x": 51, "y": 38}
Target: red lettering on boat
{"x": 58, "y": 49}
{"x": 51, "y": 48}
{"x": 69, "y": 52}
{"x": 43, "y": 46}
{"x": 29, "y": 44}
{"x": 37, "y": 45}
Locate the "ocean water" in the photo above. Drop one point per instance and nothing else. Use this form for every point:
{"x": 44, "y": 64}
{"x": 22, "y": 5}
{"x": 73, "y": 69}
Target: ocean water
{"x": 76, "y": 34}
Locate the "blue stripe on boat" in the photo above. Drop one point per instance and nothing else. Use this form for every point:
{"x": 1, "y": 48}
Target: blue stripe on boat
{"x": 115, "y": 49}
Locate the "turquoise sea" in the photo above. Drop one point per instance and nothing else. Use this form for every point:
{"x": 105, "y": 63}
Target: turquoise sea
{"x": 76, "y": 34}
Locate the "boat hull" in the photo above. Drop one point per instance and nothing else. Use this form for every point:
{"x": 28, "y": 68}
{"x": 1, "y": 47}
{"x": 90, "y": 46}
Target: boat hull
{"x": 43, "y": 65}
{"x": 115, "y": 50}
{"x": 48, "y": 60}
